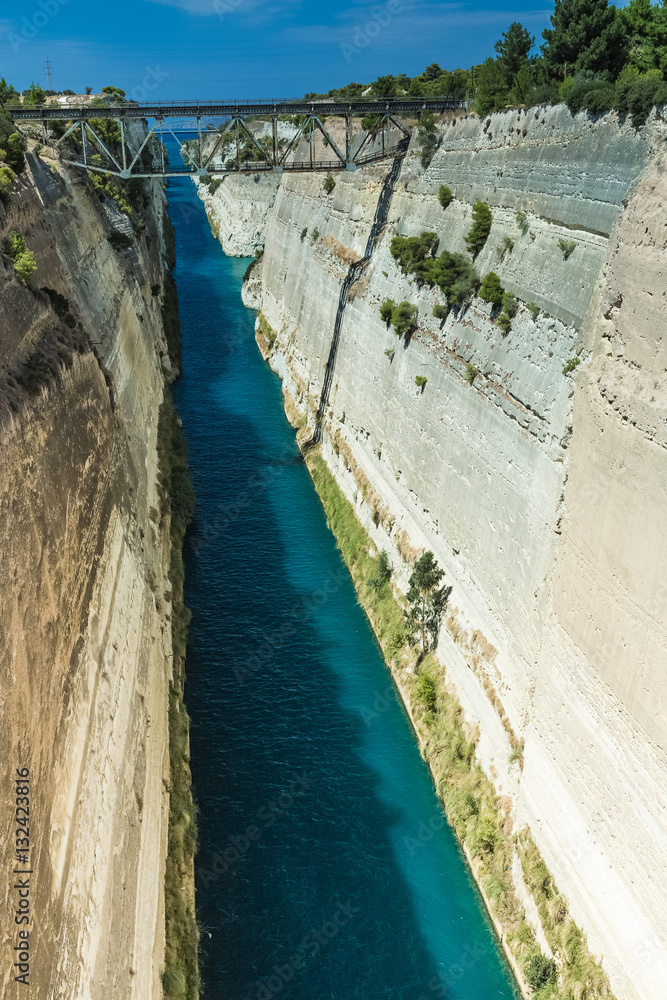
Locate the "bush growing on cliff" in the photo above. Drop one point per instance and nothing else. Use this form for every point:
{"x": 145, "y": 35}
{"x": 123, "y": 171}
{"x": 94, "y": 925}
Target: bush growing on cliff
{"x": 413, "y": 252}
{"x": 212, "y": 183}
{"x": 25, "y": 266}
{"x": 386, "y": 310}
{"x": 445, "y": 196}
{"x": 14, "y": 244}
{"x": 482, "y": 219}
{"x": 471, "y": 373}
{"x": 420, "y": 381}
{"x": 454, "y": 274}
{"x": 24, "y": 260}
{"x": 510, "y": 304}
{"x": 567, "y": 247}
{"x": 404, "y": 319}
{"x": 505, "y": 323}
{"x": 506, "y": 245}
{"x": 440, "y": 312}
{"x": 570, "y": 365}
{"x": 492, "y": 291}
{"x": 7, "y": 178}
{"x": 329, "y": 183}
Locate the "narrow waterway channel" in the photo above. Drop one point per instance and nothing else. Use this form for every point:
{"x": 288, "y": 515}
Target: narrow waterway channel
{"x": 325, "y": 868}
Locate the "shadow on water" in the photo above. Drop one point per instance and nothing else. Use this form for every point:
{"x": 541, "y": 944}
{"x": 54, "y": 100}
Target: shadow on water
{"x": 310, "y": 787}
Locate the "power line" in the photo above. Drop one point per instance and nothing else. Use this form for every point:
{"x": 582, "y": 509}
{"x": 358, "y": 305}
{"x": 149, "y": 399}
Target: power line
{"x": 48, "y": 69}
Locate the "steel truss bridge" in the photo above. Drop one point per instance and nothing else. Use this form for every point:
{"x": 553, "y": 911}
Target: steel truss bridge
{"x": 125, "y": 158}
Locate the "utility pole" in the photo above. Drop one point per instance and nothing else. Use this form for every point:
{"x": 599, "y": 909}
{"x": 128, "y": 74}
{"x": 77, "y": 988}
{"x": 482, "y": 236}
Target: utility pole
{"x": 48, "y": 69}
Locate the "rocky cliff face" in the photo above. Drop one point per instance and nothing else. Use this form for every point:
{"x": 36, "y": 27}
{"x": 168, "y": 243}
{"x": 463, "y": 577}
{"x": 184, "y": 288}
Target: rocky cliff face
{"x": 541, "y": 494}
{"x": 85, "y": 642}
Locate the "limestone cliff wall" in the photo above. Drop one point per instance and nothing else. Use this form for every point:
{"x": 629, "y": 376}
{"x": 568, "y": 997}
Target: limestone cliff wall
{"x": 85, "y": 642}
{"x": 238, "y": 210}
{"x": 541, "y": 494}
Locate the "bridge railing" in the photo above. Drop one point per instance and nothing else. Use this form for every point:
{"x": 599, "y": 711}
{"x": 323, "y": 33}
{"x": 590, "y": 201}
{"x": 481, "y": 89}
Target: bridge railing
{"x": 242, "y": 107}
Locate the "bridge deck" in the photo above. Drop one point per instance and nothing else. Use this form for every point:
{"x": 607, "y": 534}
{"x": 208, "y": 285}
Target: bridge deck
{"x": 225, "y": 109}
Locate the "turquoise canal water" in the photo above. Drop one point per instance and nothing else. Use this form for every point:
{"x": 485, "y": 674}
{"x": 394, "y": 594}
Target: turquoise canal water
{"x": 325, "y": 867}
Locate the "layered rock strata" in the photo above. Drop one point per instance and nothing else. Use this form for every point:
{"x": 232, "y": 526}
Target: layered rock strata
{"x": 85, "y": 639}
{"x": 542, "y": 494}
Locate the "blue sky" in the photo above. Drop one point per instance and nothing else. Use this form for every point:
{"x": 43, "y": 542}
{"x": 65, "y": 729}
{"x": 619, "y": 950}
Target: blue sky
{"x": 163, "y": 49}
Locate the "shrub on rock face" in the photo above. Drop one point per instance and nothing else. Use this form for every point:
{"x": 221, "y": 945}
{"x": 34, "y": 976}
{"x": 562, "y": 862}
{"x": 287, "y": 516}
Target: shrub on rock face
{"x": 445, "y": 196}
{"x": 505, "y": 323}
{"x": 7, "y": 177}
{"x": 404, "y": 318}
{"x": 492, "y": 290}
{"x": 24, "y": 260}
{"x": 386, "y": 310}
{"x": 510, "y": 305}
{"x": 420, "y": 381}
{"x": 480, "y": 229}
{"x": 411, "y": 253}
{"x": 567, "y": 247}
{"x": 440, "y": 312}
{"x": 329, "y": 183}
{"x": 14, "y": 244}
{"x": 454, "y": 274}
{"x": 25, "y": 266}
{"x": 472, "y": 371}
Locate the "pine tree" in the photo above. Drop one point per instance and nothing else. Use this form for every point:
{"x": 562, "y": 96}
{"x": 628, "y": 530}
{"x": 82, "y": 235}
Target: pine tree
{"x": 585, "y": 35}
{"x": 513, "y": 49}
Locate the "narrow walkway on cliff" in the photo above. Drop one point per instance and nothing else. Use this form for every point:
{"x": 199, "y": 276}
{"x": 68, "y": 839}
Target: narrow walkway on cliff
{"x": 325, "y": 868}
{"x": 354, "y": 272}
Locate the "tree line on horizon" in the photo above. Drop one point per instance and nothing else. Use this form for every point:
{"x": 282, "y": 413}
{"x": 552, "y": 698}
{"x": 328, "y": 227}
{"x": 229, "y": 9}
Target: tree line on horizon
{"x": 594, "y": 56}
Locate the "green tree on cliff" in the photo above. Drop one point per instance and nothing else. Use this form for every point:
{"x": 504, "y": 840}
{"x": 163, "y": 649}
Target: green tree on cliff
{"x": 428, "y": 137}
{"x": 427, "y": 601}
